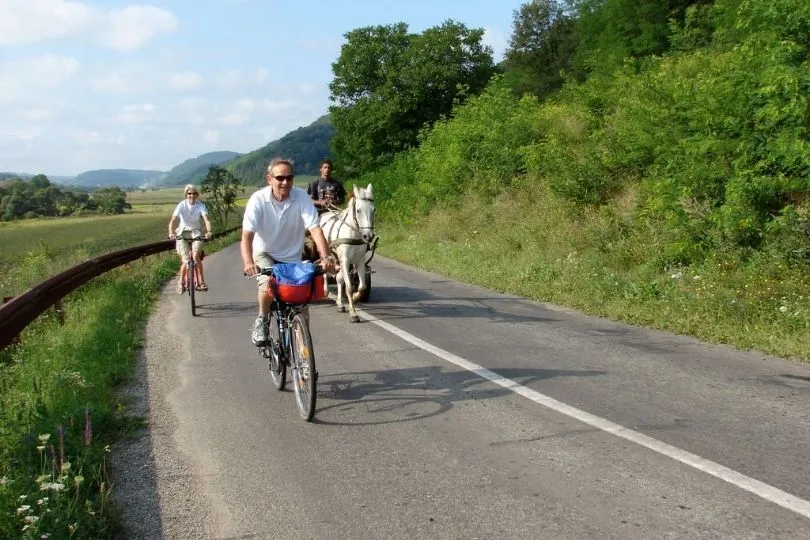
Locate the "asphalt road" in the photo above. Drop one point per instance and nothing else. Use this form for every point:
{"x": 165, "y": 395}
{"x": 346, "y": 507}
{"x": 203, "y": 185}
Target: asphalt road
{"x": 454, "y": 412}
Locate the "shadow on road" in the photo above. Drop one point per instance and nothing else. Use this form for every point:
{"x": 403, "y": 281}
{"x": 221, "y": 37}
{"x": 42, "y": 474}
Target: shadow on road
{"x": 402, "y": 395}
{"x": 234, "y": 309}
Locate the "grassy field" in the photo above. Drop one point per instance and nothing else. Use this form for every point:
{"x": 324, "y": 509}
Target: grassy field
{"x": 33, "y": 250}
{"x": 61, "y": 411}
{"x": 539, "y": 249}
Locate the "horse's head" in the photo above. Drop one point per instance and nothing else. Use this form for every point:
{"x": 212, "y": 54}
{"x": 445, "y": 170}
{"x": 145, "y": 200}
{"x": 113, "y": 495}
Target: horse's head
{"x": 364, "y": 212}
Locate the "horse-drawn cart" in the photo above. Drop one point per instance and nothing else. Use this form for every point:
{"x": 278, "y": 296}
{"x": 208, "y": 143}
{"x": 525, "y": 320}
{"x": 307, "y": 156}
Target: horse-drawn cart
{"x": 365, "y": 294}
{"x": 351, "y": 238}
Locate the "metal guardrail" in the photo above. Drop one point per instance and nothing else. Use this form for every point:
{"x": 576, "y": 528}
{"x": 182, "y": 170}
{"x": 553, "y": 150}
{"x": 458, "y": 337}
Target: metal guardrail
{"x": 21, "y": 310}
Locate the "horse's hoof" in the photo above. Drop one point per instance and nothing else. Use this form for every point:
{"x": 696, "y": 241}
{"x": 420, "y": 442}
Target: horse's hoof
{"x": 355, "y": 318}
{"x": 341, "y": 309}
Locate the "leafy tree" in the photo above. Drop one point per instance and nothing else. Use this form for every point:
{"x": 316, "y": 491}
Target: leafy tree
{"x": 111, "y": 200}
{"x": 390, "y": 84}
{"x": 612, "y": 30}
{"x": 542, "y": 45}
{"x": 221, "y": 188}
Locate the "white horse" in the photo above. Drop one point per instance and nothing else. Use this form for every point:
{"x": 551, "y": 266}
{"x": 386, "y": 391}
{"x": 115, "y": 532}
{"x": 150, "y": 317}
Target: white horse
{"x": 349, "y": 233}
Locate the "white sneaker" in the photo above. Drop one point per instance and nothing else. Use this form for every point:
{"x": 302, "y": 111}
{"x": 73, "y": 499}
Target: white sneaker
{"x": 259, "y": 333}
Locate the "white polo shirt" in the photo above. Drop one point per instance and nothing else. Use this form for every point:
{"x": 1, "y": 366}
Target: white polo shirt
{"x": 279, "y": 227}
{"x": 190, "y": 216}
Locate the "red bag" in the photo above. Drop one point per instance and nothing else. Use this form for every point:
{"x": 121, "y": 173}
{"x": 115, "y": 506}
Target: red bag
{"x": 296, "y": 283}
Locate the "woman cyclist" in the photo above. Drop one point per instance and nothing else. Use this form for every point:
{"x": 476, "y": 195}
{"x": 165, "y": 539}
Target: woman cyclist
{"x": 185, "y": 225}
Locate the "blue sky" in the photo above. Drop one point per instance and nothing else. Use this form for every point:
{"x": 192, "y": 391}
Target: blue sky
{"x": 89, "y": 84}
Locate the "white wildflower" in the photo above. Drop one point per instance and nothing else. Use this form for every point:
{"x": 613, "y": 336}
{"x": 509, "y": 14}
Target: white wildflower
{"x": 24, "y": 508}
{"x": 783, "y": 309}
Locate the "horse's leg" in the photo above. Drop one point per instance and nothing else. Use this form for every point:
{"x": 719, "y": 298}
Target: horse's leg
{"x": 361, "y": 278}
{"x": 353, "y": 316}
{"x": 344, "y": 268}
{"x": 346, "y": 263}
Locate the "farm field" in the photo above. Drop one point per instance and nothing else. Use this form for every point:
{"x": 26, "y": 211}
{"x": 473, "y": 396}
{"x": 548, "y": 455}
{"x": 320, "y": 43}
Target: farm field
{"x": 33, "y": 250}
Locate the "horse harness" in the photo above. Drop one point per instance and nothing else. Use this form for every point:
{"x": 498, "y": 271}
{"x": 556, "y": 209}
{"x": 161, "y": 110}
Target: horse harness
{"x": 341, "y": 220}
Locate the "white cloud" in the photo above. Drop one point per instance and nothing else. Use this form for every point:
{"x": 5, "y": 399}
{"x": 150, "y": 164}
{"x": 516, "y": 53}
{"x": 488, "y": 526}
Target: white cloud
{"x": 497, "y": 40}
{"x": 135, "y": 114}
{"x": 85, "y": 137}
{"x": 234, "y": 78}
{"x": 20, "y": 78}
{"x": 234, "y": 119}
{"x": 51, "y": 69}
{"x": 33, "y": 115}
{"x": 30, "y": 21}
{"x": 211, "y": 135}
{"x": 123, "y": 80}
{"x": 185, "y": 80}
{"x": 262, "y": 75}
{"x": 133, "y": 27}
{"x": 124, "y": 29}
{"x": 274, "y": 106}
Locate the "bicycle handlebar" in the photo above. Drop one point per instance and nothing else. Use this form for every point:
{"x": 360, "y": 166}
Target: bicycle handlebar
{"x": 268, "y": 271}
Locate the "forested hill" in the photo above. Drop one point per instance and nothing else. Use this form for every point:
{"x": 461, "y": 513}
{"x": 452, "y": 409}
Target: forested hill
{"x": 305, "y": 146}
{"x": 193, "y": 170}
{"x": 125, "y": 178}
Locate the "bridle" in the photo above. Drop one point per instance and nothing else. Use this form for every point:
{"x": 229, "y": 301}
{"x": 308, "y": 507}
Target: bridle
{"x": 342, "y": 220}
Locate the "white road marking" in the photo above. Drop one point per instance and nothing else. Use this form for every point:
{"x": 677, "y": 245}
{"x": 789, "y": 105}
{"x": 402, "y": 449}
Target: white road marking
{"x": 760, "y": 489}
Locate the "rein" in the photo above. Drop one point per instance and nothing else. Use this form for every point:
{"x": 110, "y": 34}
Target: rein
{"x": 341, "y": 220}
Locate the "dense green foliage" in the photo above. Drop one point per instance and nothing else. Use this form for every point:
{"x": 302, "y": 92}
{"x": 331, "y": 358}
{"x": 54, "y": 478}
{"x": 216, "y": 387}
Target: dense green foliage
{"x": 306, "y": 147}
{"x": 38, "y": 197}
{"x": 680, "y": 148}
{"x": 542, "y": 46}
{"x": 710, "y": 144}
{"x": 390, "y": 84}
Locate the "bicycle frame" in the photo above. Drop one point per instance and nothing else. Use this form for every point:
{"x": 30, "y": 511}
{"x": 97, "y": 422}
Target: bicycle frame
{"x": 290, "y": 345}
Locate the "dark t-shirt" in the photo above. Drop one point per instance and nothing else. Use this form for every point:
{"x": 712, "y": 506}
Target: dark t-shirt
{"x": 321, "y": 189}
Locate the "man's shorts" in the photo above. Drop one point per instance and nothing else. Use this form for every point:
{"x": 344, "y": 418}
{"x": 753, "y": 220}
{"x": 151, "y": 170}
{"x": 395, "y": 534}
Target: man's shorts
{"x": 263, "y": 260}
{"x": 182, "y": 245}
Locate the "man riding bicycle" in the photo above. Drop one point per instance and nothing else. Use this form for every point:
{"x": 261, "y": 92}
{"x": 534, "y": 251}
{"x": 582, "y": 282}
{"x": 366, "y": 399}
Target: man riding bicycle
{"x": 273, "y": 227}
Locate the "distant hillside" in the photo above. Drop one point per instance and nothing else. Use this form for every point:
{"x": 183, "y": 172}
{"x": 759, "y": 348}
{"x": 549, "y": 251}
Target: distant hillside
{"x": 192, "y": 171}
{"x": 118, "y": 177}
{"x": 306, "y": 147}
{"x": 25, "y": 176}
{"x": 7, "y": 175}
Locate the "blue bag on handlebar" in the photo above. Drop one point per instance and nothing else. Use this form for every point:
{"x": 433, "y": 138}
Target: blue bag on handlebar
{"x": 297, "y": 283}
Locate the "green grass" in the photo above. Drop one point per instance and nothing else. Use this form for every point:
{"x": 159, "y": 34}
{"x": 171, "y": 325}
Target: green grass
{"x": 60, "y": 379}
{"x": 545, "y": 250}
{"x": 33, "y": 250}
{"x": 36, "y": 249}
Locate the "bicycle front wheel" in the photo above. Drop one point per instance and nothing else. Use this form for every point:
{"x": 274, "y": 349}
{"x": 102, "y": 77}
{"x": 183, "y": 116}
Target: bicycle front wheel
{"x": 274, "y": 355}
{"x": 191, "y": 287}
{"x": 304, "y": 374}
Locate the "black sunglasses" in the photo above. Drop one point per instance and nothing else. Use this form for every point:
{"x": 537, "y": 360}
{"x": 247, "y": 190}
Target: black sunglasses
{"x": 282, "y": 177}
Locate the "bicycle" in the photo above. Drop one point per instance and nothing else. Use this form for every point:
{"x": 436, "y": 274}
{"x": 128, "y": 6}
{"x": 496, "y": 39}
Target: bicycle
{"x": 191, "y": 273}
{"x": 290, "y": 345}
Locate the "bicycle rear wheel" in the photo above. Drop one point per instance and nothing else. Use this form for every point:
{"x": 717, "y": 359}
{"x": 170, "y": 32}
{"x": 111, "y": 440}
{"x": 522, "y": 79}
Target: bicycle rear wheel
{"x": 274, "y": 352}
{"x": 304, "y": 374}
{"x": 191, "y": 287}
